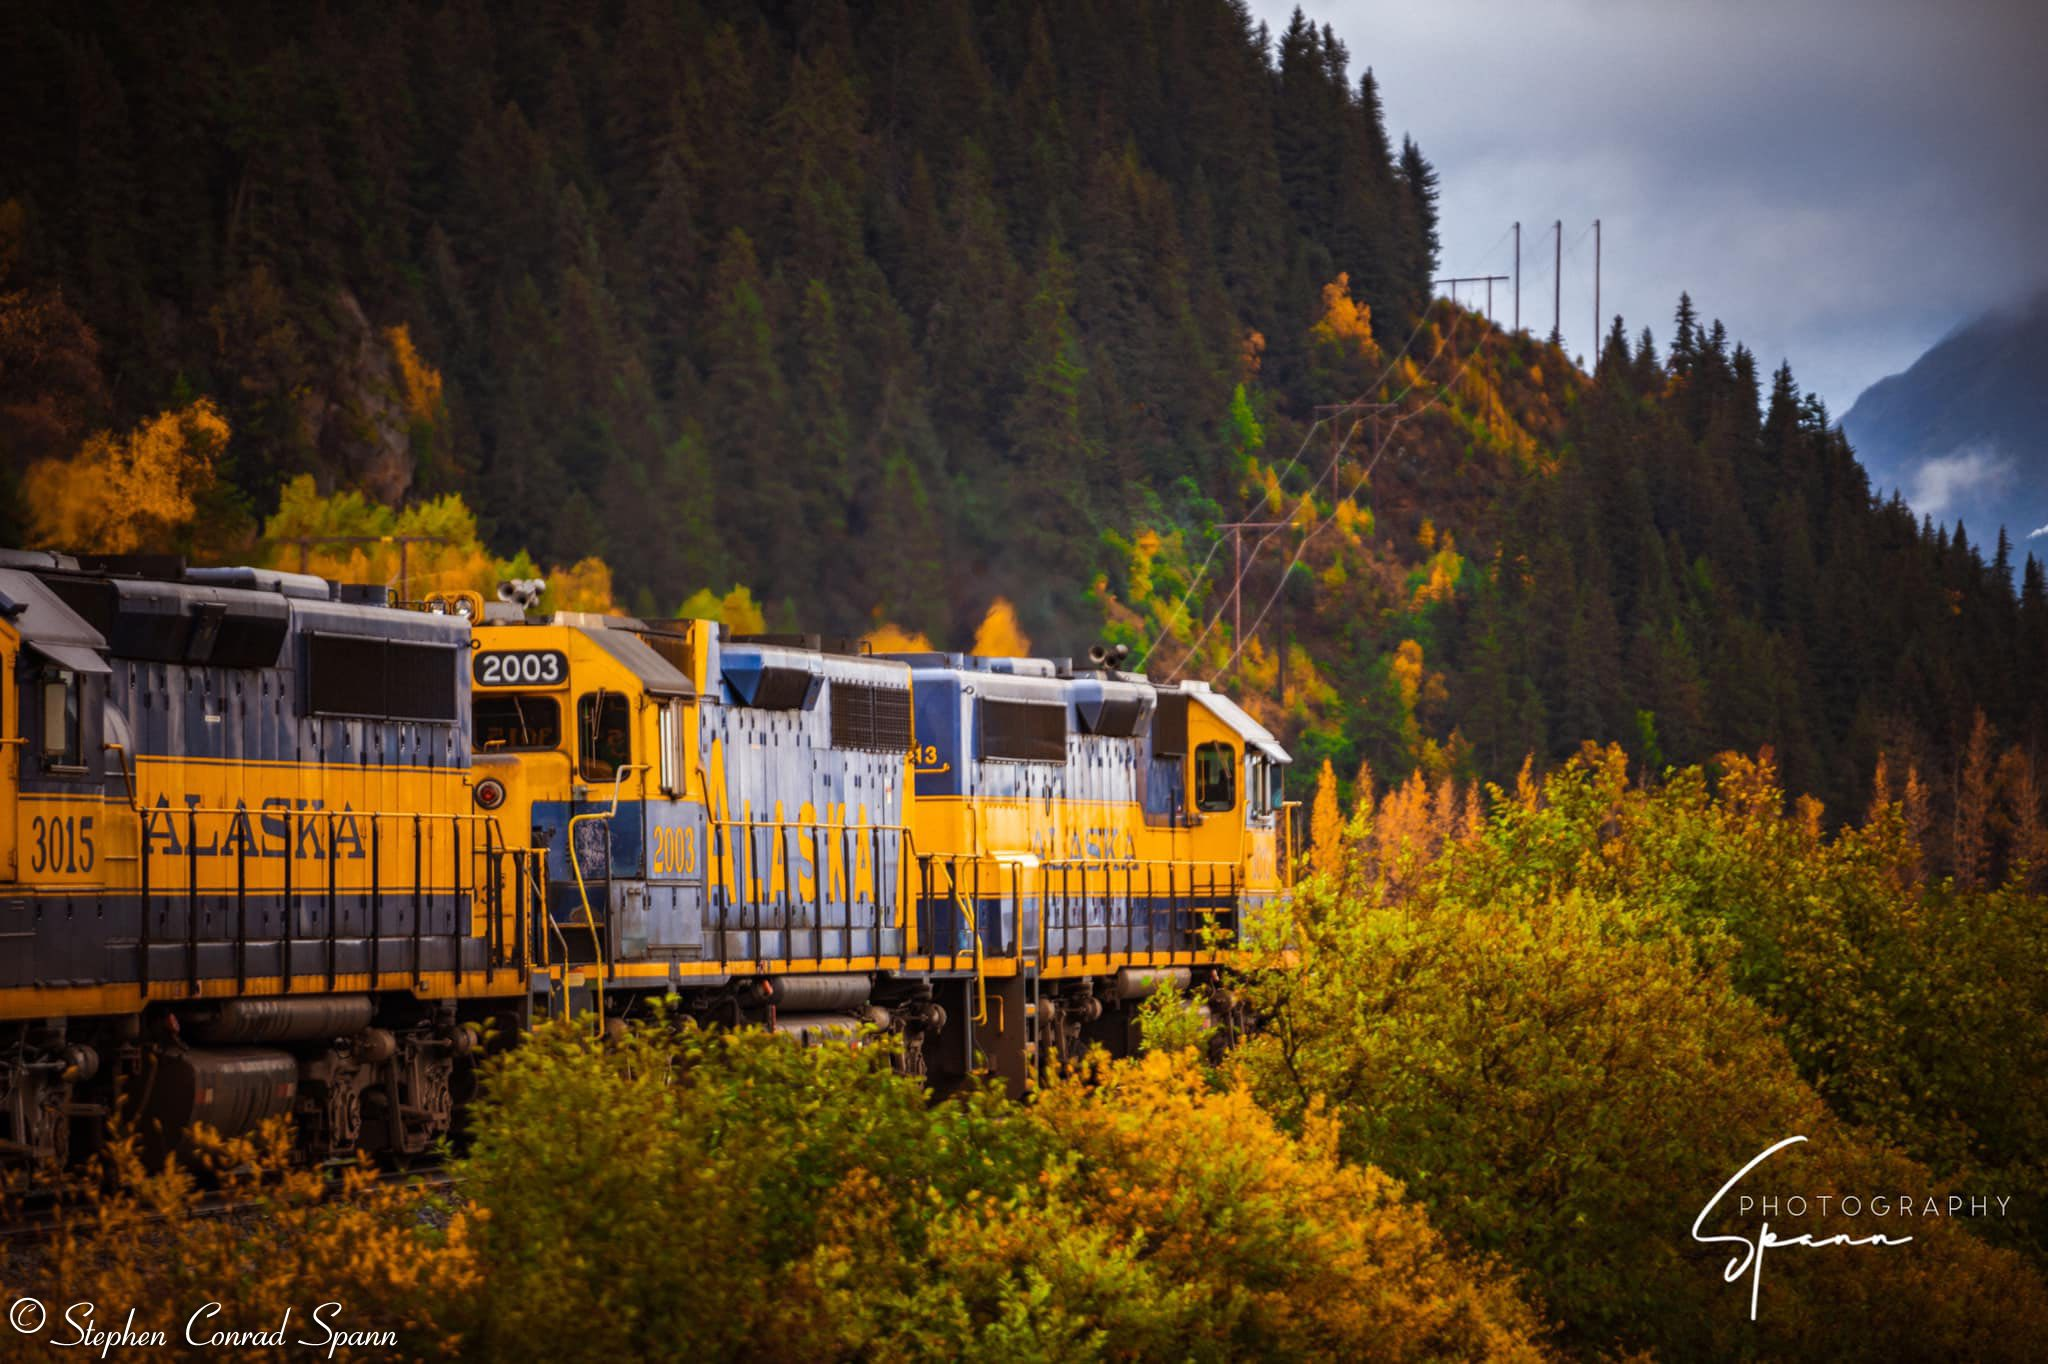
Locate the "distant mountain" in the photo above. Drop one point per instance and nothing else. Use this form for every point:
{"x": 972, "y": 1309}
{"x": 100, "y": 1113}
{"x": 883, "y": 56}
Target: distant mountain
{"x": 1964, "y": 432}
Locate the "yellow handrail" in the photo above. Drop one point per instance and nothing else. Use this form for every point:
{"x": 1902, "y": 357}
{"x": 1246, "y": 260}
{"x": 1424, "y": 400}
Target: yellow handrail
{"x": 583, "y": 889}
{"x": 980, "y": 965}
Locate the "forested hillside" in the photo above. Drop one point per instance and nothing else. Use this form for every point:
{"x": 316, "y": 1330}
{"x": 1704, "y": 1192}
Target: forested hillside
{"x": 887, "y": 311}
{"x": 788, "y": 297}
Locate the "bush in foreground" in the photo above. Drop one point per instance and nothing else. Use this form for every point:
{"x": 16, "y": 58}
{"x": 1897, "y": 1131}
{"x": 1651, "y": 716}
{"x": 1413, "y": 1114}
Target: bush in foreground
{"x": 686, "y": 1194}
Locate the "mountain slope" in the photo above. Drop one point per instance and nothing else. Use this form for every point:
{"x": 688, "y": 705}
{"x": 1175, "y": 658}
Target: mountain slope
{"x": 1516, "y": 557}
{"x": 890, "y": 312}
{"x": 1963, "y": 432}
{"x": 816, "y": 297}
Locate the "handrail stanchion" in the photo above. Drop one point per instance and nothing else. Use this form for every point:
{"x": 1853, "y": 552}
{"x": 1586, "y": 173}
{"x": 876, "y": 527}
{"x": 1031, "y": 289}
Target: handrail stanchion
{"x": 241, "y": 909}
{"x": 376, "y": 897}
{"x": 143, "y": 930}
{"x": 786, "y": 937}
{"x": 333, "y": 910}
{"x": 456, "y": 935}
{"x": 291, "y": 914}
{"x": 818, "y": 902}
{"x": 419, "y": 970}
{"x": 519, "y": 859}
{"x": 192, "y": 899}
{"x": 874, "y": 886}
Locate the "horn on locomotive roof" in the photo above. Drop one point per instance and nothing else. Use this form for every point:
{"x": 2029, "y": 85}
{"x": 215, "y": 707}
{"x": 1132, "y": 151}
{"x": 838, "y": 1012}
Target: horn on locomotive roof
{"x": 522, "y": 592}
{"x": 1108, "y": 655}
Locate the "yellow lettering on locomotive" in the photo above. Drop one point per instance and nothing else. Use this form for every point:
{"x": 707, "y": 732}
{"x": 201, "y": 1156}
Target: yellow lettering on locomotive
{"x": 807, "y": 878}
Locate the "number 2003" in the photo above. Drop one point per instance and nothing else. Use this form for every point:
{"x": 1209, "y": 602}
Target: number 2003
{"x": 520, "y": 668}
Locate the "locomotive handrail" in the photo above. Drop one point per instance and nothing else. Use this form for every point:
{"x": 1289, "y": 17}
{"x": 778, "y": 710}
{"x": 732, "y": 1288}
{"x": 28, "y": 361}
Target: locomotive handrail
{"x": 481, "y": 888}
{"x": 576, "y": 864}
{"x": 127, "y": 774}
{"x": 973, "y": 917}
{"x": 1218, "y": 874}
{"x": 905, "y": 846}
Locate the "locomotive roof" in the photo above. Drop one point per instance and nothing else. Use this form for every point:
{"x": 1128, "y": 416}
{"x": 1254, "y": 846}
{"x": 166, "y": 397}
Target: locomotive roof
{"x": 77, "y": 611}
{"x": 1254, "y": 734}
{"x": 47, "y": 625}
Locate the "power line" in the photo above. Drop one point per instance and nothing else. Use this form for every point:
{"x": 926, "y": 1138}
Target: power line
{"x": 1455, "y": 280}
{"x": 1166, "y": 627}
{"x": 1324, "y": 524}
{"x": 1336, "y": 458}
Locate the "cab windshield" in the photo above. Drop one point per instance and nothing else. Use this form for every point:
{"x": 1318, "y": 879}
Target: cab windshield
{"x": 514, "y": 722}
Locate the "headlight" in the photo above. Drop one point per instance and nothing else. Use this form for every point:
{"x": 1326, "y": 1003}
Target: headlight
{"x": 490, "y": 793}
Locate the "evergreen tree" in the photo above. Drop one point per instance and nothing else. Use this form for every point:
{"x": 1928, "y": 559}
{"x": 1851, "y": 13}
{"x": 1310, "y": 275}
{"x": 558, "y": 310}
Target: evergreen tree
{"x": 1420, "y": 179}
{"x": 747, "y": 404}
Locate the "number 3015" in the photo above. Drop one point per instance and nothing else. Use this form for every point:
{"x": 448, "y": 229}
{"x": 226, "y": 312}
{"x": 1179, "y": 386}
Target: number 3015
{"x": 60, "y": 843}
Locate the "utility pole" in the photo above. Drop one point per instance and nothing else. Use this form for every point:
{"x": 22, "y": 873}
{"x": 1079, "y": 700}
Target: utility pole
{"x": 1237, "y": 530}
{"x": 1455, "y": 280}
{"x": 1338, "y": 439}
{"x": 1557, "y": 286}
{"x": 1518, "y": 279}
{"x": 1237, "y": 587}
{"x": 1596, "y": 296}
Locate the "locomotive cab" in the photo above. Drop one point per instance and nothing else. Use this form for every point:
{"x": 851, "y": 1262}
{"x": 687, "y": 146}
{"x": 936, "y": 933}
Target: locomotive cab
{"x": 579, "y": 726}
{"x": 1236, "y": 774}
{"x": 55, "y": 693}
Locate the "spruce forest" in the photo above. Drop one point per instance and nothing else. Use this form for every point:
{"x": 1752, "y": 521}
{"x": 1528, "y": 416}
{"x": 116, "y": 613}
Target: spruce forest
{"x": 886, "y": 312}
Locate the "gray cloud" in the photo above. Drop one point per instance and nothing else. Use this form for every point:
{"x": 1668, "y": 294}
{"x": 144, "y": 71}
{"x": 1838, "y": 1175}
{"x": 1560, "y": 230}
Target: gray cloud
{"x": 1941, "y": 484}
{"x": 1841, "y": 181}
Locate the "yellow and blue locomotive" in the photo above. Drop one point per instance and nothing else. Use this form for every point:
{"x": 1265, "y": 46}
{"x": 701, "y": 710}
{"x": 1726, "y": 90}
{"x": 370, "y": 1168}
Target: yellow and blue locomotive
{"x": 274, "y": 845}
{"x": 241, "y": 869}
{"x": 980, "y": 854}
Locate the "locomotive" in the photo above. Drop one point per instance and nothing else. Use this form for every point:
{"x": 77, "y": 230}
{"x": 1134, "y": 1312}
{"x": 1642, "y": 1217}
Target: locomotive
{"x": 274, "y": 845}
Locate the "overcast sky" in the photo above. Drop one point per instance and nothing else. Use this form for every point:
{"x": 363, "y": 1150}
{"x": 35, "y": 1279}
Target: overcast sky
{"x": 1840, "y": 181}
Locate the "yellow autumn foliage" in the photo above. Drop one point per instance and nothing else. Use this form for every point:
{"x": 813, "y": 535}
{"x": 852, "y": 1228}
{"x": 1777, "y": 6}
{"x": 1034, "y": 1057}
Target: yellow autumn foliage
{"x": 1326, "y": 822}
{"x": 585, "y": 585}
{"x": 736, "y": 611}
{"x": 1441, "y": 574}
{"x": 1345, "y": 324}
{"x": 1407, "y": 673}
{"x": 416, "y": 550}
{"x": 1280, "y": 1249}
{"x": 122, "y": 494}
{"x": 142, "y": 1240}
{"x": 422, "y": 381}
{"x": 889, "y": 638}
{"x": 999, "y": 635}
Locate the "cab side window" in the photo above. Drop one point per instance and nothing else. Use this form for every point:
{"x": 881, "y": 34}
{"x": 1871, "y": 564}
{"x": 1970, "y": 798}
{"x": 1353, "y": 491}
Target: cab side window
{"x": 60, "y": 741}
{"x": 1215, "y": 777}
{"x": 604, "y": 723}
{"x": 516, "y": 722}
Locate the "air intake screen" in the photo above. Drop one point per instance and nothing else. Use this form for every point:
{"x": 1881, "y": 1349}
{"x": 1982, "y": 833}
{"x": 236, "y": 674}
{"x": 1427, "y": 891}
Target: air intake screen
{"x": 1118, "y": 717}
{"x": 1024, "y": 731}
{"x": 380, "y": 679}
{"x": 673, "y": 649}
{"x": 1170, "y": 725}
{"x": 870, "y": 717}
